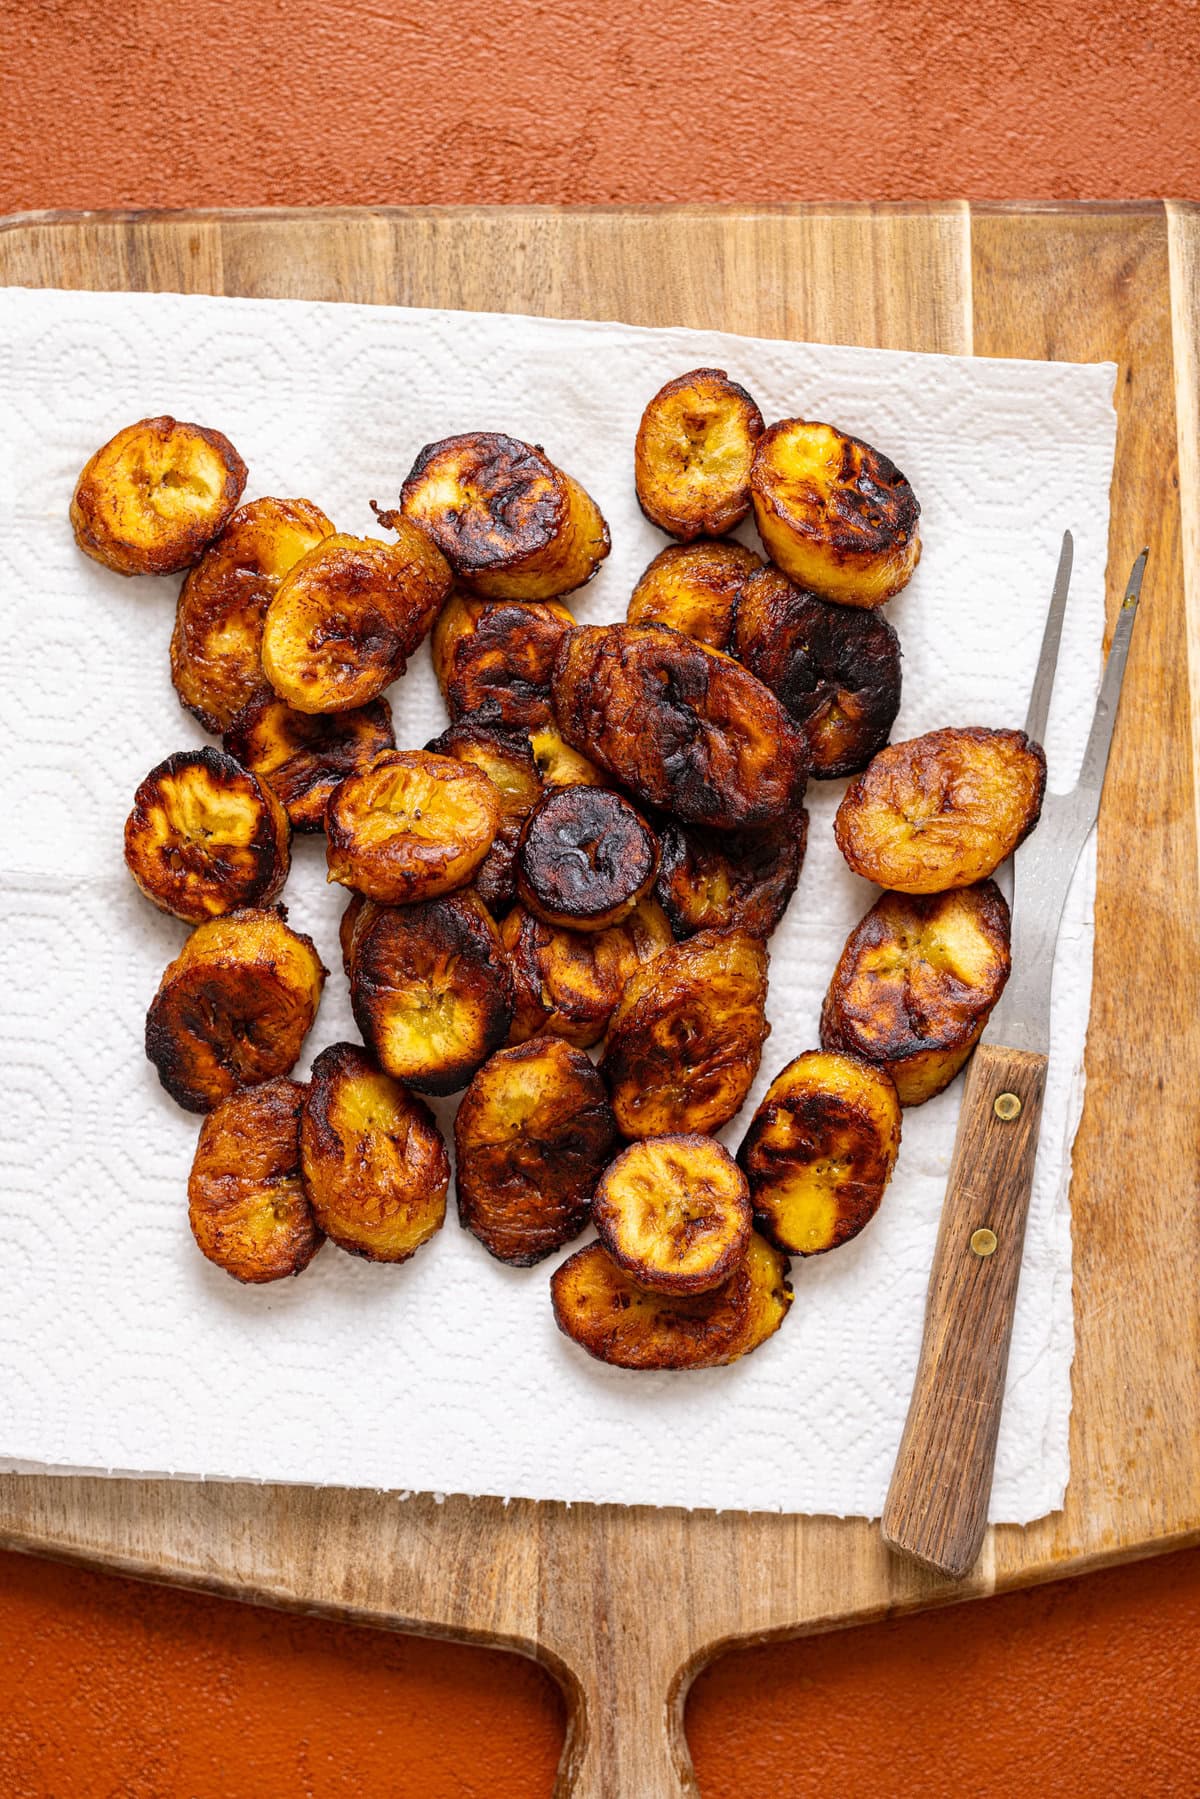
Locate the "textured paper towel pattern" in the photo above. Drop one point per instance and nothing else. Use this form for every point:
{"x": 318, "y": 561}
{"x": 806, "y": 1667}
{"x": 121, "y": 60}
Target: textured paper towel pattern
{"x": 120, "y": 1347}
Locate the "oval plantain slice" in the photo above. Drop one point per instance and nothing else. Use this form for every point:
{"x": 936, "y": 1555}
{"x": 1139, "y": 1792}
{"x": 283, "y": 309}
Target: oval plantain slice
{"x": 835, "y": 515}
{"x": 374, "y": 1161}
{"x": 694, "y": 588}
{"x": 608, "y": 1314}
{"x": 568, "y": 983}
{"x": 770, "y": 1298}
{"x": 729, "y": 880}
{"x": 674, "y": 1213}
{"x": 506, "y": 758}
{"x": 558, "y": 764}
{"x": 247, "y": 1202}
{"x": 233, "y": 1008}
{"x": 692, "y": 458}
{"x": 685, "y": 1040}
{"x": 820, "y": 1150}
{"x": 585, "y": 859}
{"x": 916, "y": 983}
{"x": 206, "y": 837}
{"x": 154, "y": 496}
{"x": 533, "y": 1132}
{"x": 216, "y": 646}
{"x": 943, "y": 810}
{"x": 410, "y": 827}
{"x": 304, "y": 756}
{"x": 494, "y": 658}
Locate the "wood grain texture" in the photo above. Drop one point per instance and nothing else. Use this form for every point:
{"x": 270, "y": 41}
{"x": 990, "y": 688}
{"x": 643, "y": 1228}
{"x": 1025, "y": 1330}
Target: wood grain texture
{"x": 936, "y": 1508}
{"x": 625, "y": 1605}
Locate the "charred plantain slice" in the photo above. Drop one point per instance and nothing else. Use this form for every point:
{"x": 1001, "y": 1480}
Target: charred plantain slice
{"x": 206, "y": 837}
{"x": 916, "y": 982}
{"x": 685, "y": 1041}
{"x": 511, "y": 525}
{"x": 681, "y": 726}
{"x": 431, "y": 990}
{"x": 533, "y": 1133}
{"x": 247, "y": 1202}
{"x": 346, "y": 618}
{"x": 586, "y": 859}
{"x": 374, "y": 1161}
{"x": 233, "y": 1008}
{"x": 568, "y": 983}
{"x": 493, "y": 658}
{"x": 608, "y": 1314}
{"x": 836, "y": 669}
{"x": 558, "y": 764}
{"x": 216, "y": 646}
{"x": 835, "y": 515}
{"x": 674, "y": 1213}
{"x": 692, "y": 458}
{"x": 729, "y": 880}
{"x": 943, "y": 810}
{"x": 410, "y": 827}
{"x": 357, "y": 913}
{"x": 770, "y": 1297}
{"x": 506, "y": 758}
{"x": 304, "y": 756}
{"x": 154, "y": 496}
{"x": 820, "y": 1150}
{"x": 694, "y": 588}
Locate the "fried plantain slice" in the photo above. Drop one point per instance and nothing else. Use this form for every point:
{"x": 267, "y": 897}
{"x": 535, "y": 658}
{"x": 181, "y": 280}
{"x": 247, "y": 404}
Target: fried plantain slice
{"x": 205, "y": 837}
{"x": 694, "y": 588}
{"x": 431, "y": 990}
{"x": 681, "y": 726}
{"x": 558, "y": 764}
{"x": 674, "y": 1213}
{"x": 835, "y": 515}
{"x": 685, "y": 1040}
{"x": 357, "y": 914}
{"x": 154, "y": 496}
{"x": 304, "y": 756}
{"x": 493, "y": 658}
{"x": 585, "y": 859}
{"x": 568, "y": 983}
{"x": 606, "y": 1312}
{"x": 506, "y": 758}
{"x": 729, "y": 880}
{"x": 347, "y": 616}
{"x": 533, "y": 1133}
{"x": 820, "y": 1150}
{"x": 693, "y": 453}
{"x": 216, "y": 646}
{"x": 511, "y": 525}
{"x": 916, "y": 983}
{"x": 770, "y": 1298}
{"x": 374, "y": 1161}
{"x": 410, "y": 827}
{"x": 247, "y": 1202}
{"x": 233, "y": 1008}
{"x": 836, "y": 669}
{"x": 943, "y": 810}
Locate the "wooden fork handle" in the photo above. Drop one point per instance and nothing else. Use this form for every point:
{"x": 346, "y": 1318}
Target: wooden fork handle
{"x": 936, "y": 1508}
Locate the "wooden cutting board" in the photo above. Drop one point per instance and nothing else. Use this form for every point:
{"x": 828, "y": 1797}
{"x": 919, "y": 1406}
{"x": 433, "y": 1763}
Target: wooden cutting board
{"x": 626, "y": 1605}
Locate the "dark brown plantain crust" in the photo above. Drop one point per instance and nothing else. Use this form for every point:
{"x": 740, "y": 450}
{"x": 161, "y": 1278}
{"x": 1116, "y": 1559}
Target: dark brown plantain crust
{"x": 585, "y": 858}
{"x": 729, "y": 880}
{"x": 694, "y": 588}
{"x": 569, "y": 982}
{"x": 305, "y": 756}
{"x": 247, "y": 1203}
{"x": 494, "y": 659}
{"x": 506, "y": 758}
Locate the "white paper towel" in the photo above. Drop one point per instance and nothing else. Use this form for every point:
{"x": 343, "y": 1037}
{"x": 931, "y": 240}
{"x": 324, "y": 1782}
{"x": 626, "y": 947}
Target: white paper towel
{"x": 120, "y": 1347}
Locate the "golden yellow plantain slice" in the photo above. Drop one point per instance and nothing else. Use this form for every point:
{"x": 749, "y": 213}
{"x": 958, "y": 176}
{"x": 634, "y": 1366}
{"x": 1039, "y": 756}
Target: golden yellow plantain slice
{"x": 674, "y": 1213}
{"x": 770, "y": 1298}
{"x": 604, "y": 1311}
{"x": 247, "y": 1202}
{"x": 692, "y": 458}
{"x": 303, "y": 757}
{"x": 568, "y": 983}
{"x": 729, "y": 880}
{"x": 410, "y": 827}
{"x": 493, "y": 658}
{"x": 585, "y": 859}
{"x": 206, "y": 837}
{"x": 694, "y": 588}
{"x": 154, "y": 496}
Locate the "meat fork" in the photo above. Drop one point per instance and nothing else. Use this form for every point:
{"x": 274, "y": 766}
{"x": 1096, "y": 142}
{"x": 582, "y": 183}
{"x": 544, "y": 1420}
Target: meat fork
{"x": 936, "y": 1508}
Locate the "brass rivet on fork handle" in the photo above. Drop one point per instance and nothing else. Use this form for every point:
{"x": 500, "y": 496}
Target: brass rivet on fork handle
{"x": 984, "y": 1241}
{"x": 1006, "y": 1106}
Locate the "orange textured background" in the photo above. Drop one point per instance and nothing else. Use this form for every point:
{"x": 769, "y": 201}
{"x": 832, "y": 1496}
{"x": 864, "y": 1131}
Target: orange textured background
{"x": 107, "y": 1687}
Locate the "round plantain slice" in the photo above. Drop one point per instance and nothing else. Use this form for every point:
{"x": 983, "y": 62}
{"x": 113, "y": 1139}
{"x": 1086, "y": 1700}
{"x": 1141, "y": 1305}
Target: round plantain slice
{"x": 431, "y": 990}
{"x": 585, "y": 859}
{"x": 558, "y": 764}
{"x": 943, "y": 810}
{"x": 304, "y": 756}
{"x": 835, "y": 515}
{"x": 686, "y": 1038}
{"x": 568, "y": 983}
{"x": 410, "y": 827}
{"x": 346, "y": 618}
{"x": 494, "y": 658}
{"x": 233, "y": 1008}
{"x": 247, "y": 1202}
{"x": 916, "y": 982}
{"x": 836, "y": 669}
{"x": 820, "y": 1150}
{"x": 674, "y": 1213}
{"x": 206, "y": 837}
{"x": 506, "y": 758}
{"x": 154, "y": 496}
{"x": 606, "y": 1312}
{"x": 694, "y": 588}
{"x": 729, "y": 880}
{"x": 216, "y": 646}
{"x": 681, "y": 726}
{"x": 511, "y": 525}
{"x": 533, "y": 1133}
{"x": 374, "y": 1161}
{"x": 693, "y": 453}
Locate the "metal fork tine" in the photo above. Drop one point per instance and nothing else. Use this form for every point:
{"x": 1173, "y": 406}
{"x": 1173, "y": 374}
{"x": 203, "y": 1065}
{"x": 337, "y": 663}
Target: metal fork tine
{"x": 1095, "y": 756}
{"x": 1043, "y": 680}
